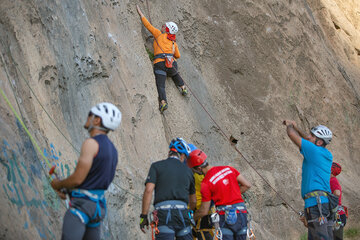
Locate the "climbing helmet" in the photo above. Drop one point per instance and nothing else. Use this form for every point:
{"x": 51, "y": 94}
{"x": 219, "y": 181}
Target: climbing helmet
{"x": 323, "y": 133}
{"x": 179, "y": 145}
{"x": 196, "y": 158}
{"x": 110, "y": 115}
{"x": 172, "y": 27}
{"x": 335, "y": 169}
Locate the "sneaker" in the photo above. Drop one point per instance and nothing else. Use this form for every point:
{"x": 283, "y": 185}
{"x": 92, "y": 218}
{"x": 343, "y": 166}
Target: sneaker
{"x": 163, "y": 107}
{"x": 184, "y": 91}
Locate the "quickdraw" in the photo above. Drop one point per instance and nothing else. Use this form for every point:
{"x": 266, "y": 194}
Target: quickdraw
{"x": 215, "y": 219}
{"x": 154, "y": 225}
{"x": 250, "y": 232}
{"x": 337, "y": 223}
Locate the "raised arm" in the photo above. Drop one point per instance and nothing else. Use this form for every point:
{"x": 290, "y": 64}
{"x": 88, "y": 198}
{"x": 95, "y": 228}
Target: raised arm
{"x": 294, "y": 133}
{"x": 154, "y": 31}
{"x": 139, "y": 11}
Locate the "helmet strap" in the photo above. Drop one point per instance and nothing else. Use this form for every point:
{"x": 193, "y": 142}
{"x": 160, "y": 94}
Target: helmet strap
{"x": 317, "y": 140}
{"x": 101, "y": 128}
{"x": 174, "y": 154}
{"x": 91, "y": 126}
{"x": 197, "y": 171}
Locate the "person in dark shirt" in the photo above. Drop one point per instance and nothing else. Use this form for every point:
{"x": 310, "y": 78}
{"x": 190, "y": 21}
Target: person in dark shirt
{"x": 174, "y": 187}
{"x": 93, "y": 174}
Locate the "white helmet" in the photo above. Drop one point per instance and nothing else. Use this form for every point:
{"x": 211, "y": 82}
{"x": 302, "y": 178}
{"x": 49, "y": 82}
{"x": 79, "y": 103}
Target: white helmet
{"x": 323, "y": 133}
{"x": 110, "y": 115}
{"x": 173, "y": 28}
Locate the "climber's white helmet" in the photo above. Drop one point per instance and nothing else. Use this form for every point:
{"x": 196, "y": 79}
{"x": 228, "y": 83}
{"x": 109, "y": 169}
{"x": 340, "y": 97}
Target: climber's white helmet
{"x": 323, "y": 133}
{"x": 173, "y": 28}
{"x": 110, "y": 115}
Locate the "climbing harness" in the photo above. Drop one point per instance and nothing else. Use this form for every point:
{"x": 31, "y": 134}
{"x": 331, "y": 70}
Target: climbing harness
{"x": 169, "y": 57}
{"x": 333, "y": 205}
{"x": 154, "y": 224}
{"x": 317, "y": 194}
{"x": 173, "y": 205}
{"x": 226, "y": 209}
{"x": 96, "y": 196}
{"x": 162, "y": 55}
{"x": 215, "y": 219}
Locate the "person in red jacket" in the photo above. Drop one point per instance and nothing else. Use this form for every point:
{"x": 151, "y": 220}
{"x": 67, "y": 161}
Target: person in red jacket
{"x": 223, "y": 185}
{"x": 335, "y": 186}
{"x": 165, "y": 46}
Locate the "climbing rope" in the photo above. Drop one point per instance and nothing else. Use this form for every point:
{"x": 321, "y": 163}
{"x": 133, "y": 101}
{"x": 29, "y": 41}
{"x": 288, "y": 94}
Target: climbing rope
{"x": 148, "y": 10}
{"x": 37, "y": 99}
{"x": 229, "y": 138}
{"x": 51, "y": 119}
{"x": 32, "y": 139}
{"x": 236, "y": 149}
{"x": 25, "y": 128}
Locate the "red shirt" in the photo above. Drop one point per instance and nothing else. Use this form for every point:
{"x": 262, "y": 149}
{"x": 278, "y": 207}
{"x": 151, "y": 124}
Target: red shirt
{"x": 221, "y": 186}
{"x": 335, "y": 185}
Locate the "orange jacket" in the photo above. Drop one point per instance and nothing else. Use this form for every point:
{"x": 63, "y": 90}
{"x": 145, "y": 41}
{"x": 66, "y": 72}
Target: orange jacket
{"x": 165, "y": 43}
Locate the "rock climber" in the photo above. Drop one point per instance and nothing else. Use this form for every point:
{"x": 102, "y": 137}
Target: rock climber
{"x": 93, "y": 174}
{"x": 223, "y": 185}
{"x": 316, "y": 170}
{"x": 174, "y": 187}
{"x": 340, "y": 219}
{"x": 165, "y": 48}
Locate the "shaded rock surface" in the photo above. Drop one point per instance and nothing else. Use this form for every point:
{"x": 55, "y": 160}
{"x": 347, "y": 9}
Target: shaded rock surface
{"x": 251, "y": 64}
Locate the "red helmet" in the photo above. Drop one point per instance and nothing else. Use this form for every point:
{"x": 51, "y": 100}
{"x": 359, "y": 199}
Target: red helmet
{"x": 196, "y": 158}
{"x": 335, "y": 169}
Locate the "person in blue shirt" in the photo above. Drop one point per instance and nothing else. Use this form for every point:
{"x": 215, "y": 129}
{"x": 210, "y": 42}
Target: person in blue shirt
{"x": 93, "y": 174}
{"x": 315, "y": 182}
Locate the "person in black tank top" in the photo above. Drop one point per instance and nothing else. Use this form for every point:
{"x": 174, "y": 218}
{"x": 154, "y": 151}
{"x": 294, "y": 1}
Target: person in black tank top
{"x": 93, "y": 174}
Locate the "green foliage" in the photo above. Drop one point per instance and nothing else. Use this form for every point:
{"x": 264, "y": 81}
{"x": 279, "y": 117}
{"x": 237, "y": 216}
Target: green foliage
{"x": 304, "y": 236}
{"x": 351, "y": 233}
{"x": 151, "y": 54}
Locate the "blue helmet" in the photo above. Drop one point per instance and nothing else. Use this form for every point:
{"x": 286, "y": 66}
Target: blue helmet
{"x": 192, "y": 147}
{"x": 179, "y": 145}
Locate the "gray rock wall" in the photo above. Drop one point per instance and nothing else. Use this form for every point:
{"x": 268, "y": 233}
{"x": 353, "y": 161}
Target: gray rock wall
{"x": 251, "y": 64}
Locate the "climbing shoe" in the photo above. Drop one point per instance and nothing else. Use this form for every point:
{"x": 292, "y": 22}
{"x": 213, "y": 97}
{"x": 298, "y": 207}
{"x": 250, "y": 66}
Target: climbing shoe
{"x": 184, "y": 91}
{"x": 163, "y": 107}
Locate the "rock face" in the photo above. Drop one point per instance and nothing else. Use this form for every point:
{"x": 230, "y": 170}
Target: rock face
{"x": 250, "y": 64}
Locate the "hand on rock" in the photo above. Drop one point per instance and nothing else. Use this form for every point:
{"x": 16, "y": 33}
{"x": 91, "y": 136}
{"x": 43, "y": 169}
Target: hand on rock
{"x": 289, "y": 122}
{"x": 139, "y": 11}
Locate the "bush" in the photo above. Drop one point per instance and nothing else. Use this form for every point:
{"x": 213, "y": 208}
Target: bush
{"x": 352, "y": 233}
{"x": 151, "y": 54}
